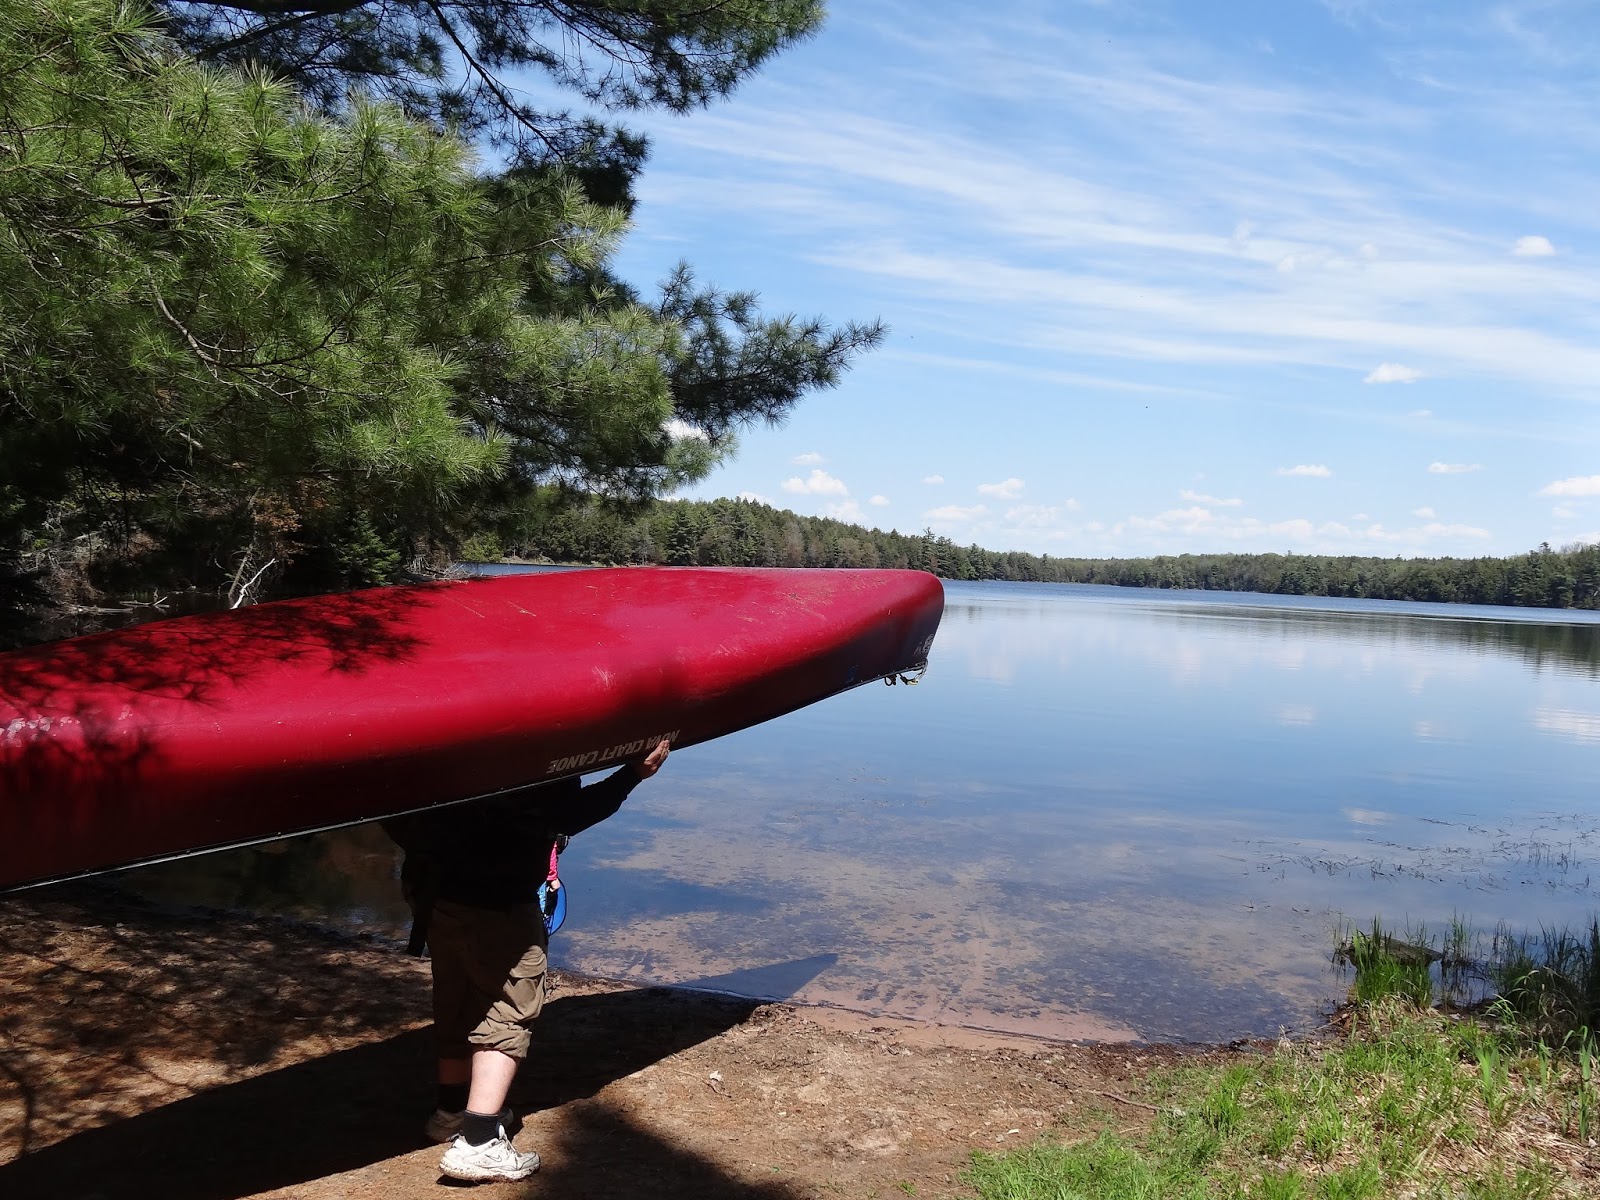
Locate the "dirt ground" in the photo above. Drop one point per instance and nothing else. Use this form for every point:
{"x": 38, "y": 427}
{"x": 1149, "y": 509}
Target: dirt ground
{"x": 201, "y": 1056}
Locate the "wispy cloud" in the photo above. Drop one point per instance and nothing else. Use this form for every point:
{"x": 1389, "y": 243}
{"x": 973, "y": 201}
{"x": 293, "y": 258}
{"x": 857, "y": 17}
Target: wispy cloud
{"x": 1578, "y": 485}
{"x": 1328, "y": 229}
{"x": 1038, "y": 516}
{"x": 879, "y": 501}
{"x": 957, "y": 513}
{"x": 1205, "y": 297}
{"x": 1425, "y": 513}
{"x": 1393, "y": 373}
{"x": 809, "y": 459}
{"x": 1202, "y": 498}
{"x": 818, "y": 483}
{"x": 1006, "y": 489}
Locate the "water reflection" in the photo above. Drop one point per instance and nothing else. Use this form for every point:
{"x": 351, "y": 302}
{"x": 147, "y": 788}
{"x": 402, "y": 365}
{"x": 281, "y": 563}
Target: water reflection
{"x": 1103, "y": 814}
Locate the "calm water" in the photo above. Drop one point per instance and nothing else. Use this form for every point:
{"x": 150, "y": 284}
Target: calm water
{"x": 1104, "y": 813}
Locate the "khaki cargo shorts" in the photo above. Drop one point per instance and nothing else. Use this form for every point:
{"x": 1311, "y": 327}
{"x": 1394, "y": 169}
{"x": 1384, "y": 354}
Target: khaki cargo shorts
{"x": 489, "y": 969}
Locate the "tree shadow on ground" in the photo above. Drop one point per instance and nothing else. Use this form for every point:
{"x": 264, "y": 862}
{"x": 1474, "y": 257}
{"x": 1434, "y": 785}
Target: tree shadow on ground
{"x": 102, "y": 1018}
{"x": 359, "y": 1106}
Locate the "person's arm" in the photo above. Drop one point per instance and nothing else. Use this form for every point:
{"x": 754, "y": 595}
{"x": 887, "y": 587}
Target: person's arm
{"x": 603, "y": 798}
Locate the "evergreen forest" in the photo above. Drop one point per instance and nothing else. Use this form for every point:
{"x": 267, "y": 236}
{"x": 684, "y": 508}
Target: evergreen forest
{"x": 749, "y": 533}
{"x": 295, "y": 296}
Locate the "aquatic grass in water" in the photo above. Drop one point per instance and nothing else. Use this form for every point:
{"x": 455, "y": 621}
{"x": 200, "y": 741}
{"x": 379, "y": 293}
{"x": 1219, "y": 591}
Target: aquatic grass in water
{"x": 1550, "y": 985}
{"x": 1386, "y": 966}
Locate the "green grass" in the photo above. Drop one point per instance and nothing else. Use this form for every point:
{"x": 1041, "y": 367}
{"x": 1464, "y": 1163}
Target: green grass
{"x": 1412, "y": 1104}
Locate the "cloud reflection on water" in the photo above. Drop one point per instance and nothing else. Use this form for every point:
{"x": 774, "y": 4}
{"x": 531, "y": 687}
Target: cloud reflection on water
{"x": 1112, "y": 815}
{"x": 1020, "y": 841}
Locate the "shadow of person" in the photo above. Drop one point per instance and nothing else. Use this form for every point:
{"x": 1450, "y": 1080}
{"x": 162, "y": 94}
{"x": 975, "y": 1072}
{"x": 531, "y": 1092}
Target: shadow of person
{"x": 362, "y": 1105}
{"x": 605, "y": 1153}
{"x": 776, "y": 981}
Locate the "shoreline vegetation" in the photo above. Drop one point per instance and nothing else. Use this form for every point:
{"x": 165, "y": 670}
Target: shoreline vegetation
{"x": 752, "y": 534}
{"x": 1426, "y": 1094}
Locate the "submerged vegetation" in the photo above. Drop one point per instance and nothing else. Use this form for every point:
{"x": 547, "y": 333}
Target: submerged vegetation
{"x": 1415, "y": 1101}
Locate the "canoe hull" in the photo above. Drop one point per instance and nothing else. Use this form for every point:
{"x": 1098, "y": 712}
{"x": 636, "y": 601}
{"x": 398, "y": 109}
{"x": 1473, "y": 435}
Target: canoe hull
{"x": 229, "y": 728}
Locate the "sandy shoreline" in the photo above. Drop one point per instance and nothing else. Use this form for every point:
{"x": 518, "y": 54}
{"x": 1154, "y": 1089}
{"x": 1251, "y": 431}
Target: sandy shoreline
{"x": 202, "y": 1056}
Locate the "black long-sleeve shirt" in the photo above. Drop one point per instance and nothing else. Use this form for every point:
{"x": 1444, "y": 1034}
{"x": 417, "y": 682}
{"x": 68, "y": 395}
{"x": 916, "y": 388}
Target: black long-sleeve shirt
{"x": 495, "y": 852}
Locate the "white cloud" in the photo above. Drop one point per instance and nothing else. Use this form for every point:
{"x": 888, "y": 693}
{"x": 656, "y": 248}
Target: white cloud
{"x": 1360, "y": 517}
{"x": 1191, "y": 525}
{"x": 1562, "y": 511}
{"x": 1578, "y": 485}
{"x": 1426, "y": 514}
{"x": 756, "y": 497}
{"x": 846, "y": 510}
{"x": 1202, "y": 498}
{"x": 879, "y": 501}
{"x": 933, "y": 479}
{"x": 1318, "y": 470}
{"x": 1034, "y": 516}
{"x": 818, "y": 483}
{"x": 1006, "y": 489}
{"x": 1533, "y": 246}
{"x": 1443, "y": 468}
{"x": 1422, "y": 413}
{"x": 681, "y": 430}
{"x": 955, "y": 512}
{"x": 1432, "y": 530}
{"x": 1393, "y": 373}
{"x": 809, "y": 459}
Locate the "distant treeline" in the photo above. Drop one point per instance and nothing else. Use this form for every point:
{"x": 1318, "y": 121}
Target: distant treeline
{"x": 747, "y": 533}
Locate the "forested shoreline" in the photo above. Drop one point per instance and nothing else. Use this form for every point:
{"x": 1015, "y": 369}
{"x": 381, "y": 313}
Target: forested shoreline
{"x": 749, "y": 533}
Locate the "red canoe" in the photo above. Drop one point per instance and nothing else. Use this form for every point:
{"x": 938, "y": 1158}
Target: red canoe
{"x": 229, "y": 728}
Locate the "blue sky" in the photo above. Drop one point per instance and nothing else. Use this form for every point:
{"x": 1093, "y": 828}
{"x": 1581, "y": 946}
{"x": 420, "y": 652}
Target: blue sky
{"x": 1165, "y": 276}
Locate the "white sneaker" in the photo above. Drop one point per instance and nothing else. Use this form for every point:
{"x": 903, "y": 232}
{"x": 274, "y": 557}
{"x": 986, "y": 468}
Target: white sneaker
{"x": 498, "y": 1159}
{"x": 442, "y": 1126}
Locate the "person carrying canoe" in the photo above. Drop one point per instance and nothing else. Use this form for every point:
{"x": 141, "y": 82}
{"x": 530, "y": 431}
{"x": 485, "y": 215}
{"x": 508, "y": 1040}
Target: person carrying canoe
{"x": 472, "y": 875}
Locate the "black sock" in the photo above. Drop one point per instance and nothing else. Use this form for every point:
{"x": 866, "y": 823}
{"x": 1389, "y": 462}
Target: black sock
{"x": 452, "y": 1097}
{"x": 479, "y": 1128}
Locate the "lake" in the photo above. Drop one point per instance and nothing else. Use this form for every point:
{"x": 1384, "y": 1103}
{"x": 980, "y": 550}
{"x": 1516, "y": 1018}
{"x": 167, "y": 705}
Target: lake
{"x": 1103, "y": 813}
